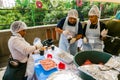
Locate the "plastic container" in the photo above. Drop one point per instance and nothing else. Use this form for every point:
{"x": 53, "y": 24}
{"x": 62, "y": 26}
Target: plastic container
{"x": 37, "y": 41}
{"x": 94, "y": 56}
{"x": 61, "y": 66}
{"x": 42, "y": 74}
{"x": 65, "y": 57}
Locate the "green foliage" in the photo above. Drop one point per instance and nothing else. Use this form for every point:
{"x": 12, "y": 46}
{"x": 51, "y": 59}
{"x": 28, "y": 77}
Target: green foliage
{"x": 23, "y": 3}
{"x": 9, "y": 16}
{"x": 48, "y": 14}
{"x": 53, "y": 17}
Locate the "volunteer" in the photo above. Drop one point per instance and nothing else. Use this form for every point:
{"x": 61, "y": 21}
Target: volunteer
{"x": 94, "y": 31}
{"x": 21, "y": 51}
{"x": 71, "y": 30}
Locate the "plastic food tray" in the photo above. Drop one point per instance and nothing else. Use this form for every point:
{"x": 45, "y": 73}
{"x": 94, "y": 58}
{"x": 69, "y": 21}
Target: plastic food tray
{"x": 48, "y": 64}
{"x": 65, "y": 57}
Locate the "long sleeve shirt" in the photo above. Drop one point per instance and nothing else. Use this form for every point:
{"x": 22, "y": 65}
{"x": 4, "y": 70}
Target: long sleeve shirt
{"x": 20, "y": 48}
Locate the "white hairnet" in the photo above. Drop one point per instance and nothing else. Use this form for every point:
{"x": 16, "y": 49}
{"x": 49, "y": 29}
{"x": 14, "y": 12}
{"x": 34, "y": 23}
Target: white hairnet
{"x": 17, "y": 26}
{"x": 73, "y": 13}
{"x": 94, "y": 11}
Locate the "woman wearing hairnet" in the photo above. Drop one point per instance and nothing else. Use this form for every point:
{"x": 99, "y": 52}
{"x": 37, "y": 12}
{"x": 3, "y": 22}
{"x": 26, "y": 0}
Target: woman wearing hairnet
{"x": 71, "y": 30}
{"x": 94, "y": 31}
{"x": 20, "y": 49}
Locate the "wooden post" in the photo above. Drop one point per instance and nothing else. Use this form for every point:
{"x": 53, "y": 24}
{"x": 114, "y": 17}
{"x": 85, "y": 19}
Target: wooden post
{"x": 53, "y": 34}
{"x": 48, "y": 34}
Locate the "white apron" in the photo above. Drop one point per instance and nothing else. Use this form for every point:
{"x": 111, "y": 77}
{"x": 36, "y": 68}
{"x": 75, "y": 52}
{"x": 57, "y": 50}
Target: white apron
{"x": 93, "y": 36}
{"x": 30, "y": 67}
{"x": 63, "y": 43}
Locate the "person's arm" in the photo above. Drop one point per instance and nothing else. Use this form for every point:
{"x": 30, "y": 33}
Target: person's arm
{"x": 84, "y": 29}
{"x": 59, "y": 26}
{"x": 24, "y": 47}
{"x": 57, "y": 29}
{"x": 85, "y": 40}
{"x": 80, "y": 32}
{"x": 78, "y": 35}
{"x": 103, "y": 27}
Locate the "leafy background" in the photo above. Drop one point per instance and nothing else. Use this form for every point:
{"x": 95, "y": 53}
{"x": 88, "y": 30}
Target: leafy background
{"x": 48, "y": 14}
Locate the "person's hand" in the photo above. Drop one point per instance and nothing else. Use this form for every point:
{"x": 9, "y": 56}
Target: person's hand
{"x": 72, "y": 40}
{"x": 104, "y": 33}
{"x": 39, "y": 49}
{"x": 42, "y": 48}
{"x": 85, "y": 40}
{"x": 66, "y": 32}
{"x": 36, "y": 51}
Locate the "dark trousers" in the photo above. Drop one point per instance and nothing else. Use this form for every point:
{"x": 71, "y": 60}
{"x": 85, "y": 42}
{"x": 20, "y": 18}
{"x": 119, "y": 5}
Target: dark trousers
{"x": 15, "y": 73}
{"x": 25, "y": 78}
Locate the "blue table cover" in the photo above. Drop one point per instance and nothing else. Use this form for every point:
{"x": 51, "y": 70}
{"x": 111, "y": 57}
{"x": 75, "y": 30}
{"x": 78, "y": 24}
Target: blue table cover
{"x": 41, "y": 74}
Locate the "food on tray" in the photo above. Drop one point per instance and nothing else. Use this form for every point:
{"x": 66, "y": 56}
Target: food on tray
{"x": 65, "y": 57}
{"x": 48, "y": 64}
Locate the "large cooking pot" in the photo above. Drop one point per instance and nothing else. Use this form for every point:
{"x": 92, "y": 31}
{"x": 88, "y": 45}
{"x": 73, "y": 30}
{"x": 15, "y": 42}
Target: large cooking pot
{"x": 94, "y": 56}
